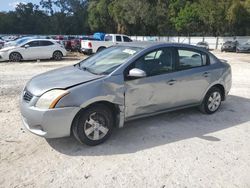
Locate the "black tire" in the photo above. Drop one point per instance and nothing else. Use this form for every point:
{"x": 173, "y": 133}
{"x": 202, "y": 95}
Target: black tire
{"x": 15, "y": 57}
{"x": 100, "y": 49}
{"x": 83, "y": 125}
{"x": 212, "y": 99}
{"x": 57, "y": 55}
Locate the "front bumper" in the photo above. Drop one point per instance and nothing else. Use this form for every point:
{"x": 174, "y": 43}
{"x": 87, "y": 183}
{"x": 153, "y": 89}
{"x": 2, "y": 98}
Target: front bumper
{"x": 48, "y": 123}
{"x": 4, "y": 56}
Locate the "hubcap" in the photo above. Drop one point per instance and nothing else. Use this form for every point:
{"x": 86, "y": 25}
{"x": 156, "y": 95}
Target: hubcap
{"x": 214, "y": 101}
{"x": 15, "y": 57}
{"x": 57, "y": 55}
{"x": 95, "y": 126}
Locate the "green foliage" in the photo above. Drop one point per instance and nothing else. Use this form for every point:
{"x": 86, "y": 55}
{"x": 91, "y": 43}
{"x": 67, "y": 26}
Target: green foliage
{"x": 187, "y": 19}
{"x": 99, "y": 16}
{"x": 133, "y": 17}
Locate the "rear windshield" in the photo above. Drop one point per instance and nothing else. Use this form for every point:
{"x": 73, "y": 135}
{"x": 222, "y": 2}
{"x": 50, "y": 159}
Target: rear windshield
{"x": 108, "y": 38}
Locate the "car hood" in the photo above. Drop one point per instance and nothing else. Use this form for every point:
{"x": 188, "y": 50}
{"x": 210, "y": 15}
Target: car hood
{"x": 7, "y": 48}
{"x": 62, "y": 78}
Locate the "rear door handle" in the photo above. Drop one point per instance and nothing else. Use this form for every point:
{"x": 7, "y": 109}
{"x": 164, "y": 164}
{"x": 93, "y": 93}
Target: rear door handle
{"x": 206, "y": 74}
{"x": 171, "y": 82}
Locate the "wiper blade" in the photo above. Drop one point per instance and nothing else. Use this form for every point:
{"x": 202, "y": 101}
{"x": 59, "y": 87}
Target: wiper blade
{"x": 86, "y": 69}
{"x": 89, "y": 70}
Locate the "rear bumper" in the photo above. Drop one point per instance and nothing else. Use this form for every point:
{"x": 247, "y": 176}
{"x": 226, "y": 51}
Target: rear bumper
{"x": 48, "y": 123}
{"x": 87, "y": 51}
{"x": 228, "y": 49}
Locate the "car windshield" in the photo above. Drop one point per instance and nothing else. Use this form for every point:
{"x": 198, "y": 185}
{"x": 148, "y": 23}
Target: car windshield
{"x": 108, "y": 60}
{"x": 20, "y": 41}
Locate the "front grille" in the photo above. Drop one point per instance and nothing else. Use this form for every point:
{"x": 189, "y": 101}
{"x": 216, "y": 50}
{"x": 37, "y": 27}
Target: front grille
{"x": 27, "y": 96}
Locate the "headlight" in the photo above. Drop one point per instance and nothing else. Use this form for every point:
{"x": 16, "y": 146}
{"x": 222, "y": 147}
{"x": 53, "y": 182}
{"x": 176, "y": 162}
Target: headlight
{"x": 49, "y": 99}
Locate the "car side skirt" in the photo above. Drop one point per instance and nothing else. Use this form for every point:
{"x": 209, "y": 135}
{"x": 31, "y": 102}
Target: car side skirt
{"x": 160, "y": 112}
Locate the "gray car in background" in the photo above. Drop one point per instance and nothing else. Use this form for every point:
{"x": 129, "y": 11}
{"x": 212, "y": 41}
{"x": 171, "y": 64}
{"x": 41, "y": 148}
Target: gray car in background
{"x": 122, "y": 83}
{"x": 245, "y": 47}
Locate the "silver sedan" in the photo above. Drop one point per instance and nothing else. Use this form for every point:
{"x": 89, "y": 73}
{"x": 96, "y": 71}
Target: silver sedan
{"x": 121, "y": 83}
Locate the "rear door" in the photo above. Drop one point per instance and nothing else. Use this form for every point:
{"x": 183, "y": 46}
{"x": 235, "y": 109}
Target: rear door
{"x": 47, "y": 49}
{"x": 193, "y": 75}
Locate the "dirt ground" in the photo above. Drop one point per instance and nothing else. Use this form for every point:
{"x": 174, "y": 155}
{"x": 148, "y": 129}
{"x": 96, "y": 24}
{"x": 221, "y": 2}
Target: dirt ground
{"x": 178, "y": 149}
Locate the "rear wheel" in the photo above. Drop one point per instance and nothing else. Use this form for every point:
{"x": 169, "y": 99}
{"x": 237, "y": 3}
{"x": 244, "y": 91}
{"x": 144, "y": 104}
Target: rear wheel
{"x": 100, "y": 49}
{"x": 57, "y": 55}
{"x": 15, "y": 57}
{"x": 94, "y": 125}
{"x": 212, "y": 101}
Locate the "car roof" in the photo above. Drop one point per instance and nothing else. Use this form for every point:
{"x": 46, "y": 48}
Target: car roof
{"x": 36, "y": 39}
{"x": 145, "y": 45}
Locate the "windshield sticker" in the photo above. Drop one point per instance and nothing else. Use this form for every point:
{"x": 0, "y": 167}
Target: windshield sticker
{"x": 129, "y": 51}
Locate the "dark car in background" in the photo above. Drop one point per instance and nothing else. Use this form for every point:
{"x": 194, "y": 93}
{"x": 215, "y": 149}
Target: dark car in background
{"x": 72, "y": 44}
{"x": 1, "y": 43}
{"x": 229, "y": 46}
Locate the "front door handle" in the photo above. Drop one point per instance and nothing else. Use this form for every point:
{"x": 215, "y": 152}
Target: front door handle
{"x": 171, "y": 82}
{"x": 206, "y": 74}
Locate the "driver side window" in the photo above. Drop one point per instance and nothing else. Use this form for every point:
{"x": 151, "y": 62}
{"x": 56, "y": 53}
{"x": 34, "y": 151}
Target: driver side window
{"x": 33, "y": 44}
{"x": 156, "y": 62}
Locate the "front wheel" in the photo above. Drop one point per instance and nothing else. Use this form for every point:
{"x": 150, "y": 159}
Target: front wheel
{"x": 94, "y": 125}
{"x": 15, "y": 57}
{"x": 212, "y": 101}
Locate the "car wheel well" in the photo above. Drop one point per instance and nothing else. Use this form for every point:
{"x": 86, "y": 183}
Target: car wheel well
{"x": 113, "y": 107}
{"x": 17, "y": 53}
{"x": 57, "y": 51}
{"x": 221, "y": 88}
{"x": 100, "y": 48}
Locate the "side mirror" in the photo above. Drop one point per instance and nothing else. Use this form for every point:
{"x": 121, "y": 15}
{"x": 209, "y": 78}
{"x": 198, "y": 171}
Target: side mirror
{"x": 137, "y": 73}
{"x": 26, "y": 46}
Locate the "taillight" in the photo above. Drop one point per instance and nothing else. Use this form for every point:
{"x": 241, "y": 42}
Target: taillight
{"x": 89, "y": 45}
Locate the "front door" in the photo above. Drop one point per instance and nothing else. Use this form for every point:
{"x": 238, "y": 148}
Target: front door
{"x": 156, "y": 91}
{"x": 33, "y": 51}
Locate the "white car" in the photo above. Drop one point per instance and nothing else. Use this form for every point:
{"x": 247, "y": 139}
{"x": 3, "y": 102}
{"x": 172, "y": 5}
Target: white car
{"x": 91, "y": 46}
{"x": 1, "y": 43}
{"x": 33, "y": 49}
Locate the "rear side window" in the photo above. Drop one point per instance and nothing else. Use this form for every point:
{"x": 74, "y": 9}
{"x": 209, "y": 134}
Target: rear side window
{"x": 190, "y": 59}
{"x": 118, "y": 38}
{"x": 46, "y": 43}
{"x": 126, "y": 39}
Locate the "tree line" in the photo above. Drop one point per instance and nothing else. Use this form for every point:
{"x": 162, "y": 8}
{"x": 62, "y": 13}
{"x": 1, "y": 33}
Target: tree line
{"x": 132, "y": 17}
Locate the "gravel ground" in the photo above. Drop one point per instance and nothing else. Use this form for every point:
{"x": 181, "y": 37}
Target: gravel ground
{"x": 178, "y": 149}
